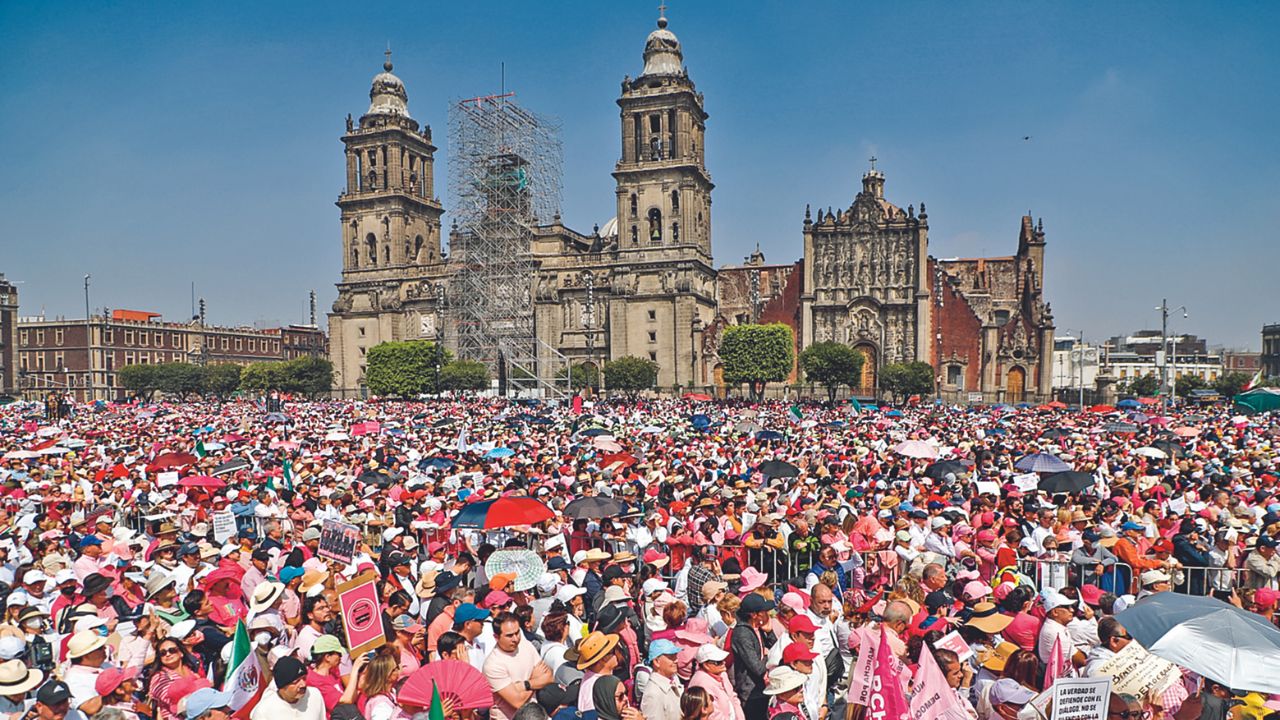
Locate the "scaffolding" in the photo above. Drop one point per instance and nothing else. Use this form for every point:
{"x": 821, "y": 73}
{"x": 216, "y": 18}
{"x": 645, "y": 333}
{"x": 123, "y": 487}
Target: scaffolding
{"x": 504, "y": 176}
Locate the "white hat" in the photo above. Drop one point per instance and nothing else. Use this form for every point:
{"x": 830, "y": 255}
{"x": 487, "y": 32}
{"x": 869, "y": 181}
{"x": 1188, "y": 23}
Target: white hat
{"x": 182, "y": 629}
{"x": 783, "y": 679}
{"x": 390, "y": 533}
{"x": 64, "y": 576}
{"x": 31, "y": 577}
{"x": 89, "y": 622}
{"x": 227, "y": 549}
{"x": 83, "y": 643}
{"x": 548, "y": 583}
{"x": 939, "y": 522}
{"x": 553, "y": 542}
{"x": 1055, "y": 600}
{"x": 1151, "y": 577}
{"x": 579, "y": 557}
{"x": 613, "y": 593}
{"x": 569, "y": 592}
{"x": 264, "y": 595}
{"x": 11, "y": 646}
{"x": 653, "y": 585}
{"x": 710, "y": 652}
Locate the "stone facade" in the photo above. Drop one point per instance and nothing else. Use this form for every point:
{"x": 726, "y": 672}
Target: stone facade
{"x": 8, "y": 337}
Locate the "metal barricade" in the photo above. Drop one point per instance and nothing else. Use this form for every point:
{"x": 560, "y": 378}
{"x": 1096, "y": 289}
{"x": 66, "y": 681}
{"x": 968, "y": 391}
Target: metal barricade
{"x": 1117, "y": 578}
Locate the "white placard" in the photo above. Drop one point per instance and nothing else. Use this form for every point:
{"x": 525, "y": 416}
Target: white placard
{"x": 224, "y": 526}
{"x": 1081, "y": 698}
{"x": 988, "y": 487}
{"x": 167, "y": 479}
{"x": 1027, "y": 482}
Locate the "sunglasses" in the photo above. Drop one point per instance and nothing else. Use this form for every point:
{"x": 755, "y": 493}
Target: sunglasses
{"x": 170, "y": 651}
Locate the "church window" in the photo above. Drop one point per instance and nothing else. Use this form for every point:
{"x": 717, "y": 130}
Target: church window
{"x": 653, "y": 336}
{"x": 373, "y": 180}
{"x": 653, "y": 314}
{"x": 417, "y": 248}
{"x": 655, "y": 123}
{"x": 655, "y": 226}
{"x": 955, "y": 376}
{"x": 413, "y": 182}
{"x": 1002, "y": 318}
{"x": 637, "y": 139}
{"x": 386, "y": 254}
{"x": 359, "y": 172}
{"x": 355, "y": 256}
{"x": 653, "y": 357}
{"x": 675, "y": 200}
{"x": 635, "y": 239}
{"x": 671, "y": 133}
{"x": 371, "y": 247}
{"x": 634, "y": 201}
{"x": 675, "y": 232}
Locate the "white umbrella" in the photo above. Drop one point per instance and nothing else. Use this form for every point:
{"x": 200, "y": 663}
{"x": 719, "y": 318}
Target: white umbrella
{"x": 1207, "y": 636}
{"x": 1151, "y": 452}
{"x": 55, "y": 450}
{"x": 652, "y": 429}
{"x": 21, "y": 455}
{"x": 916, "y": 449}
{"x": 337, "y": 437}
{"x": 49, "y": 431}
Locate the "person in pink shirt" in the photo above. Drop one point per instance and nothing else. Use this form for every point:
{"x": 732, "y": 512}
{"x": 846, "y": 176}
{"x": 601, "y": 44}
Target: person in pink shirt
{"x": 712, "y": 678}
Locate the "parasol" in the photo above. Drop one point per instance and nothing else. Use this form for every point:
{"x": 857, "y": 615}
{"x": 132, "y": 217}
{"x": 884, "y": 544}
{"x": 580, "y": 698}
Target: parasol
{"x": 524, "y": 564}
{"x": 500, "y": 452}
{"x": 164, "y": 461}
{"x": 231, "y": 466}
{"x": 1207, "y": 636}
{"x": 1042, "y": 463}
{"x": 1067, "y": 481}
{"x": 593, "y": 508}
{"x": 916, "y": 449}
{"x": 202, "y": 481}
{"x": 778, "y": 468}
{"x": 1151, "y": 452}
{"x": 769, "y": 435}
{"x": 697, "y": 397}
{"x": 943, "y": 468}
{"x": 461, "y": 684}
{"x": 502, "y": 512}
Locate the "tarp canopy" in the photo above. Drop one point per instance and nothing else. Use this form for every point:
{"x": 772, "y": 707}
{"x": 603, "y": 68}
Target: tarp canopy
{"x": 1258, "y": 400}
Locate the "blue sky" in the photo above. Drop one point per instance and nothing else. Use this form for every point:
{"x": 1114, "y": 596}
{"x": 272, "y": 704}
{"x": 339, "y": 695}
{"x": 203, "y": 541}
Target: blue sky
{"x": 157, "y": 144}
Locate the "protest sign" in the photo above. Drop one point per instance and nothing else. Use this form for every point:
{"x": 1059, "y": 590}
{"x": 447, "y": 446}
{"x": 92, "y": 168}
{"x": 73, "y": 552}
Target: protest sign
{"x": 361, "y": 613}
{"x": 338, "y": 541}
{"x": 224, "y": 526}
{"x": 1134, "y": 671}
{"x": 1177, "y": 506}
{"x": 988, "y": 487}
{"x": 956, "y": 644}
{"x": 167, "y": 479}
{"x": 932, "y": 698}
{"x": 1081, "y": 698}
{"x": 1027, "y": 482}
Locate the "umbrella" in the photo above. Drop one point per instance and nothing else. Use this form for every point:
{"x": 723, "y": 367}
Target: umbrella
{"x": 164, "y": 461}
{"x": 1120, "y": 427}
{"x": 1067, "y": 481}
{"x": 231, "y": 466}
{"x": 21, "y": 455}
{"x": 700, "y": 421}
{"x": 440, "y": 463}
{"x": 594, "y": 431}
{"x": 652, "y": 429}
{"x": 943, "y": 468}
{"x": 500, "y": 452}
{"x": 1101, "y": 409}
{"x": 593, "y": 508}
{"x": 1058, "y": 405}
{"x": 54, "y": 450}
{"x": 202, "y": 481}
{"x": 337, "y": 436}
{"x": 278, "y": 445}
{"x": 373, "y": 477}
{"x": 624, "y": 459}
{"x": 1186, "y": 431}
{"x": 1207, "y": 636}
{"x": 212, "y": 446}
{"x": 700, "y": 397}
{"x": 233, "y": 438}
{"x": 276, "y": 417}
{"x": 1170, "y": 448}
{"x": 502, "y": 512}
{"x": 1128, "y": 403}
{"x": 778, "y": 468}
{"x": 524, "y": 564}
{"x": 1042, "y": 463}
{"x": 893, "y": 414}
{"x": 916, "y": 449}
{"x": 1151, "y": 452}
{"x": 746, "y": 427}
{"x": 459, "y": 683}
{"x": 443, "y": 423}
{"x": 1055, "y": 434}
{"x": 768, "y": 435}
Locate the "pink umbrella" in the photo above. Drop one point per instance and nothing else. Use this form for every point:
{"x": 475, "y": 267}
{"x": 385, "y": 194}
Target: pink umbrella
{"x": 1186, "y": 431}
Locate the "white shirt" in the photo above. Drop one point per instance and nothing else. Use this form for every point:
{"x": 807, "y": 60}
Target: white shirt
{"x": 272, "y": 707}
{"x": 1051, "y": 632}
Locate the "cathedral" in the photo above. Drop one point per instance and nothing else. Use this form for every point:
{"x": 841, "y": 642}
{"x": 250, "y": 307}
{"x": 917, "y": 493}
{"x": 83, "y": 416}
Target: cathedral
{"x": 645, "y": 284}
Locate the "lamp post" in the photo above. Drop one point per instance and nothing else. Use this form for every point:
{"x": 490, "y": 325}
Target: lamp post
{"x": 88, "y": 341}
{"x": 589, "y": 319}
{"x": 1165, "y": 383}
{"x": 439, "y": 333}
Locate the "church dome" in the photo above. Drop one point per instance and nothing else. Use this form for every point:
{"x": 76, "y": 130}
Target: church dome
{"x": 609, "y": 229}
{"x": 387, "y": 96}
{"x": 662, "y": 55}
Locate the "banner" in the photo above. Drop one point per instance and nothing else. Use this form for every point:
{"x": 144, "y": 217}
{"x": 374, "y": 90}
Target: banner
{"x": 1027, "y": 482}
{"x": 1081, "y": 698}
{"x": 932, "y": 698}
{"x": 886, "y": 701}
{"x": 361, "y": 613}
{"x": 860, "y": 675}
{"x": 956, "y": 644}
{"x": 1134, "y": 671}
{"x": 224, "y": 525}
{"x": 338, "y": 541}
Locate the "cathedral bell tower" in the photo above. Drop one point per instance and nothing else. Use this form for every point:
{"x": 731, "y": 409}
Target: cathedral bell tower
{"x": 664, "y": 190}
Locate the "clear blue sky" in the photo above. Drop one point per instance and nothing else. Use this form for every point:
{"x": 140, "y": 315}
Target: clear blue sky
{"x": 156, "y": 144}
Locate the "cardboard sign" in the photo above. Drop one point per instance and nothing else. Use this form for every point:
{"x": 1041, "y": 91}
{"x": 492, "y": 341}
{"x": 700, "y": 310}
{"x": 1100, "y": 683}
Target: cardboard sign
{"x": 1134, "y": 671}
{"x": 224, "y": 526}
{"x": 1027, "y": 482}
{"x": 956, "y": 644}
{"x": 361, "y": 614}
{"x": 988, "y": 487}
{"x": 167, "y": 479}
{"x": 1081, "y": 698}
{"x": 1177, "y": 506}
{"x": 338, "y": 541}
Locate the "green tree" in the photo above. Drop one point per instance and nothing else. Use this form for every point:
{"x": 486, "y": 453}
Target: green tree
{"x": 464, "y": 375}
{"x": 260, "y": 377}
{"x": 903, "y": 380}
{"x": 1142, "y": 386}
{"x": 179, "y": 380}
{"x": 403, "y": 369}
{"x": 1187, "y": 383}
{"x": 832, "y": 364}
{"x": 630, "y": 374}
{"x": 221, "y": 380}
{"x": 310, "y": 376}
{"x": 580, "y": 376}
{"x": 1231, "y": 384}
{"x": 141, "y": 380}
{"x": 757, "y": 355}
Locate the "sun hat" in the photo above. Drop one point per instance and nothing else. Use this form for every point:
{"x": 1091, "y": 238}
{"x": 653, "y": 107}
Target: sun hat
{"x": 1151, "y": 577}
{"x": 18, "y": 679}
{"x": 783, "y": 679}
{"x": 594, "y": 648}
{"x": 614, "y": 593}
{"x": 987, "y": 618}
{"x": 83, "y": 643}
{"x": 994, "y": 659}
{"x": 12, "y": 646}
{"x": 265, "y": 595}
{"x": 157, "y": 583}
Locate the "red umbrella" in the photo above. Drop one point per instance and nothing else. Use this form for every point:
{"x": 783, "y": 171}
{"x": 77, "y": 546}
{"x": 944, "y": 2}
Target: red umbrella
{"x": 1102, "y": 409}
{"x": 458, "y": 682}
{"x": 627, "y": 459}
{"x": 502, "y": 512}
{"x": 700, "y": 397}
{"x": 1058, "y": 405}
{"x": 164, "y": 461}
{"x": 202, "y": 481}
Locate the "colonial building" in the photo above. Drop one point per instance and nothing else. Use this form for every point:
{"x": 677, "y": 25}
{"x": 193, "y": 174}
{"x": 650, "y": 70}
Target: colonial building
{"x": 645, "y": 283}
{"x": 8, "y": 337}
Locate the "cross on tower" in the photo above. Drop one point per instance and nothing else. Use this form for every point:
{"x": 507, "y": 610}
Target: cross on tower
{"x": 873, "y": 162}
{"x": 662, "y": 9}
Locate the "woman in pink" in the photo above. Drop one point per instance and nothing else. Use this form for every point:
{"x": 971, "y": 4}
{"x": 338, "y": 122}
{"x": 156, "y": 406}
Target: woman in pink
{"x": 225, "y": 597}
{"x": 711, "y": 676}
{"x": 172, "y": 676}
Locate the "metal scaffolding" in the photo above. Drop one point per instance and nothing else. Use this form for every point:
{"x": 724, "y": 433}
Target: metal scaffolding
{"x": 504, "y": 175}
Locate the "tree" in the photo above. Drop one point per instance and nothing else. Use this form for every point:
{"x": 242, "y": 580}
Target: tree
{"x": 906, "y": 379}
{"x": 832, "y": 364}
{"x": 403, "y": 369}
{"x": 140, "y": 380}
{"x": 1187, "y": 383}
{"x": 757, "y": 355}
{"x": 221, "y": 380}
{"x": 180, "y": 380}
{"x": 310, "y": 376}
{"x": 260, "y": 377}
{"x": 464, "y": 375}
{"x": 630, "y": 374}
{"x": 1143, "y": 386}
{"x": 580, "y": 376}
{"x": 1231, "y": 384}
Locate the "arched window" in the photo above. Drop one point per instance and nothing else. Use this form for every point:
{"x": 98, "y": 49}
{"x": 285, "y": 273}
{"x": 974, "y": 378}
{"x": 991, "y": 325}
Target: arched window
{"x": 655, "y": 226}
{"x": 373, "y": 180}
{"x": 371, "y": 248}
{"x": 675, "y": 232}
{"x": 417, "y": 249}
{"x": 675, "y": 200}
{"x": 355, "y": 255}
{"x": 635, "y": 235}
{"x": 634, "y": 199}
{"x": 386, "y": 254}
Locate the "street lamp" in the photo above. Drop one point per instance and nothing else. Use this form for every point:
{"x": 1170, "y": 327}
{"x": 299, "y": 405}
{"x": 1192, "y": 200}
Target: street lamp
{"x": 1165, "y": 383}
{"x": 439, "y": 332}
{"x": 88, "y": 339}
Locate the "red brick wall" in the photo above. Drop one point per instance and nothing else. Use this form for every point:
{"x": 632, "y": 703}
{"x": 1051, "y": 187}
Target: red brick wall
{"x": 961, "y": 331}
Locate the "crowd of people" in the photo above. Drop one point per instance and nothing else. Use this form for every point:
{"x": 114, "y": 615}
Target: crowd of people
{"x": 685, "y": 559}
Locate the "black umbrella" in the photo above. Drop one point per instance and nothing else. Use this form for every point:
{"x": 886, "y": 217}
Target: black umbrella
{"x": 942, "y": 468}
{"x": 1172, "y": 449}
{"x": 594, "y": 431}
{"x": 231, "y": 466}
{"x": 373, "y": 477}
{"x": 1068, "y": 481}
{"x": 1055, "y": 434}
{"x": 779, "y": 468}
{"x": 443, "y": 422}
{"x": 593, "y": 508}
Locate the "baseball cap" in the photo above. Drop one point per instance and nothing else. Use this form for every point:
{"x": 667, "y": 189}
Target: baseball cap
{"x": 54, "y": 692}
{"x": 1054, "y": 600}
{"x": 110, "y": 678}
{"x": 467, "y": 612}
{"x": 710, "y": 653}
{"x": 755, "y": 602}
{"x": 797, "y": 651}
{"x": 1151, "y": 577}
{"x": 287, "y": 670}
{"x": 801, "y": 623}
{"x": 660, "y": 647}
{"x": 206, "y": 699}
{"x": 1008, "y": 690}
{"x": 1131, "y": 525}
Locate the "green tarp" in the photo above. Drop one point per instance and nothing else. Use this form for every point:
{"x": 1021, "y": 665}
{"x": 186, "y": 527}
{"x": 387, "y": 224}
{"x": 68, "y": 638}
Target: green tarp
{"x": 1259, "y": 400}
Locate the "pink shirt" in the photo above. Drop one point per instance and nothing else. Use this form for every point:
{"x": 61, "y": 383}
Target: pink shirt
{"x": 725, "y": 704}
{"x": 1023, "y": 631}
{"x": 502, "y": 669}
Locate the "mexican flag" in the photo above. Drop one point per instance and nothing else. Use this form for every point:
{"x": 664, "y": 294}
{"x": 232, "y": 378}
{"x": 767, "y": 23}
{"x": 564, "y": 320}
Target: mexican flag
{"x": 288, "y": 474}
{"x": 200, "y": 451}
{"x": 244, "y": 677}
{"x": 437, "y": 706}
{"x": 795, "y": 414}
{"x": 1257, "y": 378}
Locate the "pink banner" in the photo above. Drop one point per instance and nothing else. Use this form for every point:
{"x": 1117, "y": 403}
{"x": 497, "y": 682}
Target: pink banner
{"x": 932, "y": 698}
{"x": 886, "y": 701}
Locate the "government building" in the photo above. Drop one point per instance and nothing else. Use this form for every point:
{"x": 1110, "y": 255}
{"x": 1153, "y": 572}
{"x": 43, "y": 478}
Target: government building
{"x": 645, "y": 283}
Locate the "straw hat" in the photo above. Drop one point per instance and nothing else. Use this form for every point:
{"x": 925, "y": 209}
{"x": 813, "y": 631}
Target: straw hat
{"x": 426, "y": 587}
{"x": 17, "y": 679}
{"x": 994, "y": 659}
{"x": 265, "y": 595}
{"x": 83, "y": 643}
{"x": 594, "y": 648}
{"x": 987, "y": 618}
{"x": 313, "y": 582}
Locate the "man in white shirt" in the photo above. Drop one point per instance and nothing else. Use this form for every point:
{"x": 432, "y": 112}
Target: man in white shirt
{"x": 290, "y": 698}
{"x": 1059, "y": 609}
